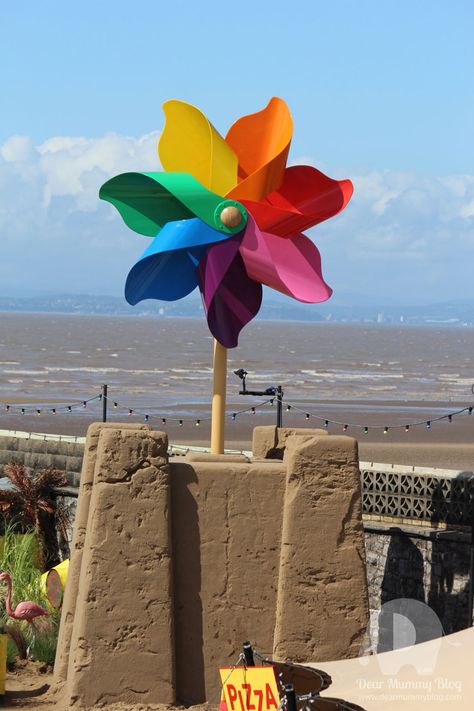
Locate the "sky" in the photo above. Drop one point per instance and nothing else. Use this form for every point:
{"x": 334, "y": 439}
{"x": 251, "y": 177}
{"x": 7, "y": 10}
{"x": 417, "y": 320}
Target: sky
{"x": 380, "y": 92}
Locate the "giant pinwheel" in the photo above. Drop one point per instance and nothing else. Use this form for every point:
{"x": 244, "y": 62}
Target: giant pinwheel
{"x": 227, "y": 216}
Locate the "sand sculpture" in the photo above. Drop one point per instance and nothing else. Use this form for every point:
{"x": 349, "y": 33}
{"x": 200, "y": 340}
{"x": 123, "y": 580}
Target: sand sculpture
{"x": 174, "y": 564}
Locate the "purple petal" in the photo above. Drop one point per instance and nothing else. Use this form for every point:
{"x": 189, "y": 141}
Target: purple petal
{"x": 230, "y": 297}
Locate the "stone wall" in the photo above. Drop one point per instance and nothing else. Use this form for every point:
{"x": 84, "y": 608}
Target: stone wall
{"x": 68, "y": 499}
{"x": 423, "y": 564}
{"x": 175, "y": 564}
{"x": 418, "y": 539}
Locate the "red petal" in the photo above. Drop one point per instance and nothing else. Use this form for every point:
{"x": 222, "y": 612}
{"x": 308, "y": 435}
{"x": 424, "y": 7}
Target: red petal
{"x": 305, "y": 198}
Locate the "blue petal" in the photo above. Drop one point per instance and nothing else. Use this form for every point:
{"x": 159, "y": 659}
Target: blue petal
{"x": 167, "y": 269}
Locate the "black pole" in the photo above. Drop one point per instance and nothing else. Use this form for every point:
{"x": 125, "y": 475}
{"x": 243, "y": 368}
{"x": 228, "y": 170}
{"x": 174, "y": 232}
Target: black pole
{"x": 248, "y": 654}
{"x": 279, "y": 394}
{"x": 104, "y": 403}
{"x": 290, "y": 697}
{"x": 471, "y": 570}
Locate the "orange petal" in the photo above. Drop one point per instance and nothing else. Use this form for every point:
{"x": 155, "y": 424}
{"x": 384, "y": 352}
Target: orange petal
{"x": 261, "y": 142}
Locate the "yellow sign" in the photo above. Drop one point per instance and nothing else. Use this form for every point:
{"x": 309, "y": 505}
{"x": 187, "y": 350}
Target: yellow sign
{"x": 249, "y": 689}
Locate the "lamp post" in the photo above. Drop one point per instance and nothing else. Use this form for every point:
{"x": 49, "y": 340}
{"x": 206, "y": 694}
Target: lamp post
{"x": 276, "y": 391}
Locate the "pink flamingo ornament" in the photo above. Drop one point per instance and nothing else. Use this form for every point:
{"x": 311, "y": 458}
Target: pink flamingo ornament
{"x": 26, "y": 610}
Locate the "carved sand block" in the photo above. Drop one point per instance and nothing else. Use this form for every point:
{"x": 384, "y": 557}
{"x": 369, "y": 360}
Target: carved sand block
{"x": 121, "y": 644}
{"x": 77, "y": 545}
{"x": 322, "y": 582}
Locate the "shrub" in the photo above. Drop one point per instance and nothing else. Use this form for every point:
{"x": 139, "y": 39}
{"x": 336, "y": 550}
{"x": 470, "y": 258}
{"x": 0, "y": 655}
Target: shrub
{"x": 31, "y": 505}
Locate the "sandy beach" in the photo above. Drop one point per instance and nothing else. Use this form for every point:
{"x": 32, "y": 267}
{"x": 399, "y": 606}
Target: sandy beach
{"x": 30, "y": 686}
{"x": 447, "y": 445}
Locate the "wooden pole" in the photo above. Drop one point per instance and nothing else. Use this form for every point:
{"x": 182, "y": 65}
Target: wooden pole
{"x": 218, "y": 398}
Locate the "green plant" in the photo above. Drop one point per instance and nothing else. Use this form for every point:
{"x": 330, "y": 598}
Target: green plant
{"x": 43, "y": 642}
{"x": 19, "y": 555}
{"x": 30, "y": 504}
{"x": 17, "y": 644}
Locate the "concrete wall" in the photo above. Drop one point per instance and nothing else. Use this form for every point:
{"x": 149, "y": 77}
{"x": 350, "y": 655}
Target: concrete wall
{"x": 175, "y": 565}
{"x": 38, "y": 453}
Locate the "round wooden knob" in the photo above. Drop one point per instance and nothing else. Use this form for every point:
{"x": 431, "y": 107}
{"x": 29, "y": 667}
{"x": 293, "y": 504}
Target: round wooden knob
{"x": 231, "y": 216}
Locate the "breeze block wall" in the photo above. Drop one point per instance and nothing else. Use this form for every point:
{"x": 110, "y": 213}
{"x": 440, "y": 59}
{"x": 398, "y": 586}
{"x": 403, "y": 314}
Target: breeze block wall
{"x": 39, "y": 454}
{"x": 174, "y": 565}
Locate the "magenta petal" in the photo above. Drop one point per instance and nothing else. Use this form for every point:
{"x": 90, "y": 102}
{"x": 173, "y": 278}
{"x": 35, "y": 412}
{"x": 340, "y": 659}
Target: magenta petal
{"x": 231, "y": 298}
{"x": 291, "y": 265}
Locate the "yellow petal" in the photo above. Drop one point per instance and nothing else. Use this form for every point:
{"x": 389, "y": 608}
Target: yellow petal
{"x": 189, "y": 143}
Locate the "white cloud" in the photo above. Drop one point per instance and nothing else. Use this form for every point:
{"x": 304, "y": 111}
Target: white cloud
{"x": 54, "y": 231}
{"x": 16, "y": 149}
{"x": 405, "y": 235}
{"x": 78, "y": 166}
{"x": 401, "y": 231}
{"x": 468, "y": 209}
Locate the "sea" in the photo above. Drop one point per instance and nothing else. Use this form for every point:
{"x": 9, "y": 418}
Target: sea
{"x": 154, "y": 365}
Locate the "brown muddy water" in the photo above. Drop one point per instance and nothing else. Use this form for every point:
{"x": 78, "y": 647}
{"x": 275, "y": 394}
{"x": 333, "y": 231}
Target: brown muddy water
{"x": 163, "y": 367}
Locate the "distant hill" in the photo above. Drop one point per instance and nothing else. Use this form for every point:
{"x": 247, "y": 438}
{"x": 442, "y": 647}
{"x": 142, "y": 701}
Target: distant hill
{"x": 341, "y": 310}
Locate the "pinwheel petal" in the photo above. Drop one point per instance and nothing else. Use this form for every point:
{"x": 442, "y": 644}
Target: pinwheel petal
{"x": 305, "y": 198}
{"x": 143, "y": 201}
{"x": 231, "y": 298}
{"x": 147, "y": 201}
{"x": 167, "y": 269}
{"x": 190, "y": 143}
{"x": 291, "y": 266}
{"x": 261, "y": 142}
{"x": 168, "y": 276}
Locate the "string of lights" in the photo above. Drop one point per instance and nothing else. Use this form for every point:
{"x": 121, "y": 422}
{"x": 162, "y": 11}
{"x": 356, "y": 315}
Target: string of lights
{"x": 132, "y": 411}
{"x": 24, "y": 409}
{"x": 385, "y": 427}
{"x": 148, "y": 416}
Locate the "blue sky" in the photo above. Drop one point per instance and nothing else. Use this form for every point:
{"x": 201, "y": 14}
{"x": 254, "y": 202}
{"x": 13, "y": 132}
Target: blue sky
{"x": 381, "y": 92}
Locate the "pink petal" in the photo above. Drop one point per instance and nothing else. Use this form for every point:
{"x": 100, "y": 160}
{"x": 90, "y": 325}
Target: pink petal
{"x": 289, "y": 265}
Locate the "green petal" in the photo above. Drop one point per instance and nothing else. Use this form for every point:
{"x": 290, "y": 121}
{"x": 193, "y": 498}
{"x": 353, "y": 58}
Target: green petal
{"x": 147, "y": 201}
